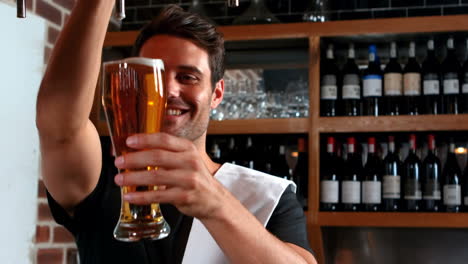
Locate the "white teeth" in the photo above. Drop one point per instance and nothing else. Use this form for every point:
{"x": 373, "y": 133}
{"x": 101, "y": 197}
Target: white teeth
{"x": 174, "y": 112}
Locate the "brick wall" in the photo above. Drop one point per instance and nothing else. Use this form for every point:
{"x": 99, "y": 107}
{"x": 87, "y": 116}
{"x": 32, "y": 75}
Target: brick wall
{"x": 287, "y": 11}
{"x": 54, "y": 244}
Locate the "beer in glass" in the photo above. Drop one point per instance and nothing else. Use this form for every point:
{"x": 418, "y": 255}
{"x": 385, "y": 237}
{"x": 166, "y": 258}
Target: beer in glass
{"x": 134, "y": 101}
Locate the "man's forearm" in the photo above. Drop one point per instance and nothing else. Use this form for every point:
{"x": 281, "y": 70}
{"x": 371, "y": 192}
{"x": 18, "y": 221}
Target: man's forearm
{"x": 245, "y": 240}
{"x": 67, "y": 90}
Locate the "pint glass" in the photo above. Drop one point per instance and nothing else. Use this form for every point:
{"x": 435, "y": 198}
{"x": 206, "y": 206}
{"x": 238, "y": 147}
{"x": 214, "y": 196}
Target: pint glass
{"x": 134, "y": 101}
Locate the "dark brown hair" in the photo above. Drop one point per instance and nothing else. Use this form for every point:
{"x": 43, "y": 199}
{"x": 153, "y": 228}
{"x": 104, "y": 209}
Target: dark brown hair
{"x": 173, "y": 20}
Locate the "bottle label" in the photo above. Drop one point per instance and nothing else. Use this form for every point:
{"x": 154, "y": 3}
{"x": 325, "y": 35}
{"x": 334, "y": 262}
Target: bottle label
{"x": 466, "y": 200}
{"x": 251, "y": 164}
{"x": 465, "y": 88}
{"x": 451, "y": 85}
{"x": 371, "y": 192}
{"x": 329, "y": 89}
{"x": 330, "y": 148}
{"x": 391, "y": 187}
{"x": 351, "y": 88}
{"x": 432, "y": 190}
{"x": 412, "y": 190}
{"x": 412, "y": 84}
{"x": 372, "y": 85}
{"x": 329, "y": 191}
{"x": 393, "y": 84}
{"x": 452, "y": 194}
{"x": 431, "y": 84}
{"x": 351, "y": 192}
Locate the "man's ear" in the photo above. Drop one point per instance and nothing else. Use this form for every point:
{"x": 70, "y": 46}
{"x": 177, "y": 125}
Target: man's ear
{"x": 217, "y": 95}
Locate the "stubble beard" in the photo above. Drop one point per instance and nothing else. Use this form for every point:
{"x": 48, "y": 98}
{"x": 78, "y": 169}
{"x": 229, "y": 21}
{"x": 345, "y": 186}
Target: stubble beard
{"x": 192, "y": 130}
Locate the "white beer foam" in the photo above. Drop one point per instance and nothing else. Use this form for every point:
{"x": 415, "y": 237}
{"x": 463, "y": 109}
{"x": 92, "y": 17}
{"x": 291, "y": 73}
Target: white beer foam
{"x": 158, "y": 63}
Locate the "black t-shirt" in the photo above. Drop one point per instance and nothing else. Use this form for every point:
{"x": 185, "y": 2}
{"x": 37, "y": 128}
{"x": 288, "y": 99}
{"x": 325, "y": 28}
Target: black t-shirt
{"x": 95, "y": 217}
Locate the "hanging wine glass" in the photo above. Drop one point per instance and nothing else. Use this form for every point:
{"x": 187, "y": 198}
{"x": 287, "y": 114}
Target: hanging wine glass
{"x": 256, "y": 13}
{"x": 317, "y": 11}
{"x": 198, "y": 8}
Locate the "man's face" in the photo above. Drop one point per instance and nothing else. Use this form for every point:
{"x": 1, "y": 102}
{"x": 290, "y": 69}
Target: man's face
{"x": 188, "y": 82}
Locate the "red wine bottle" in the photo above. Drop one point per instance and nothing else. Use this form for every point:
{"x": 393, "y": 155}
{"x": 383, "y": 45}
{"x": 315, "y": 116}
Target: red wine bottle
{"x": 431, "y": 82}
{"x": 329, "y": 178}
{"x": 301, "y": 173}
{"x": 329, "y": 84}
{"x": 249, "y": 157}
{"x": 465, "y": 187}
{"x": 351, "y": 89}
{"x": 412, "y": 178}
{"x": 215, "y": 153}
{"x": 352, "y": 176}
{"x": 372, "y": 85}
{"x": 393, "y": 83}
{"x": 391, "y": 190}
{"x": 451, "y": 87}
{"x": 372, "y": 180}
{"x": 232, "y": 153}
{"x": 265, "y": 155}
{"x": 431, "y": 178}
{"x": 452, "y": 182}
{"x": 464, "y": 80}
{"x": 279, "y": 166}
{"x": 412, "y": 83}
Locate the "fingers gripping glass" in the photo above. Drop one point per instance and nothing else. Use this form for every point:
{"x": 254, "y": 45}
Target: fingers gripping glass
{"x": 134, "y": 100}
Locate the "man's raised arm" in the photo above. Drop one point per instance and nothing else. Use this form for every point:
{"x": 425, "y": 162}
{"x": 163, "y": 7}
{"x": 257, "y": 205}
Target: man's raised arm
{"x": 70, "y": 147}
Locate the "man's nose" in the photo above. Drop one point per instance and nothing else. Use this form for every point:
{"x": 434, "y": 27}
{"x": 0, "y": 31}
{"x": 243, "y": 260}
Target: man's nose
{"x": 173, "y": 87}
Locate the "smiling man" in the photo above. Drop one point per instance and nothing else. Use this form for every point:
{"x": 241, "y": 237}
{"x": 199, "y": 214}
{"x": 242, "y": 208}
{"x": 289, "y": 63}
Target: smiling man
{"x": 218, "y": 213}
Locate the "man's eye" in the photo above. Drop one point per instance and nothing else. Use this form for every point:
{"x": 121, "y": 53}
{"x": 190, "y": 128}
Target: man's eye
{"x": 187, "y": 78}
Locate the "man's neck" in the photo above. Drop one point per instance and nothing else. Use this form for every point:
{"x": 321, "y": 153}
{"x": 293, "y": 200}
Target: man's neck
{"x": 200, "y": 144}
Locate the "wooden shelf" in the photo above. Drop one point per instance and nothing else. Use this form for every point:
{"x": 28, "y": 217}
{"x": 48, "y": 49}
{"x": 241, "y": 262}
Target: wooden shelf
{"x": 416, "y": 220}
{"x": 259, "y": 126}
{"x": 327, "y": 29}
{"x": 393, "y": 123}
{"x": 251, "y": 126}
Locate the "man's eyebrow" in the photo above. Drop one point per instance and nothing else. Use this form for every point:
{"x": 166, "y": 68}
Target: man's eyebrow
{"x": 190, "y": 68}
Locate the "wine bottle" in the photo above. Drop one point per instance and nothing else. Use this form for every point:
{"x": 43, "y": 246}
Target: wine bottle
{"x": 279, "y": 166}
{"x": 412, "y": 181}
{"x": 372, "y": 180}
{"x": 329, "y": 84}
{"x": 232, "y": 153}
{"x": 351, "y": 183}
{"x": 329, "y": 178}
{"x": 412, "y": 83}
{"x": 215, "y": 153}
{"x": 452, "y": 182}
{"x": 431, "y": 178}
{"x": 391, "y": 193}
{"x": 301, "y": 173}
{"x": 431, "y": 81}
{"x": 372, "y": 85}
{"x": 393, "y": 83}
{"x": 451, "y": 87}
{"x": 464, "y": 80}
{"x": 266, "y": 155}
{"x": 465, "y": 187}
{"x": 351, "y": 89}
{"x": 249, "y": 155}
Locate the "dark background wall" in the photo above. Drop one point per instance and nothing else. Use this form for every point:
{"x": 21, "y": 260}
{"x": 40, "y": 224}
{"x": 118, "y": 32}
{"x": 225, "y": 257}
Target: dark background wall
{"x": 287, "y": 11}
